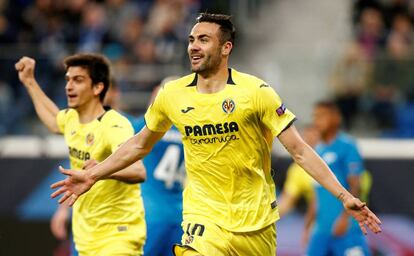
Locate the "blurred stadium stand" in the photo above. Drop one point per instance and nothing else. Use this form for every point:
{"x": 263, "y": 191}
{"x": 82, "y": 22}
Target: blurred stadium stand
{"x": 307, "y": 50}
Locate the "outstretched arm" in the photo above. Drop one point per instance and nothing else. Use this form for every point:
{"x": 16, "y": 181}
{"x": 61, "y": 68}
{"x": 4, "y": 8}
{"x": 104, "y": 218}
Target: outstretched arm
{"x": 45, "y": 108}
{"x": 135, "y": 173}
{"x": 130, "y": 152}
{"x": 341, "y": 224}
{"x": 304, "y": 155}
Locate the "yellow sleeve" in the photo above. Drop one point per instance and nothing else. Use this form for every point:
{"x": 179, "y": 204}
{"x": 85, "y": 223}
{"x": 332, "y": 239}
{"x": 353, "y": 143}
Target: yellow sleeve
{"x": 272, "y": 112}
{"x": 118, "y": 131}
{"x": 156, "y": 117}
{"x": 61, "y": 119}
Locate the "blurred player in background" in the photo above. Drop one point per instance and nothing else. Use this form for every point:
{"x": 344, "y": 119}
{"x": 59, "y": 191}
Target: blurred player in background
{"x": 334, "y": 231}
{"x": 228, "y": 120}
{"x": 298, "y": 182}
{"x": 108, "y": 219}
{"x": 162, "y": 191}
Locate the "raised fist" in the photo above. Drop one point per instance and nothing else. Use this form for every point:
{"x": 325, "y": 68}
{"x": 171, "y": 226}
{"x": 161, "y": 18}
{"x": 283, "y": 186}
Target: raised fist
{"x": 25, "y": 68}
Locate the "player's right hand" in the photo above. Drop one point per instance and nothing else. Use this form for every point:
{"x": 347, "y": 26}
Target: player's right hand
{"x": 76, "y": 183}
{"x": 58, "y": 223}
{"x": 25, "y": 69}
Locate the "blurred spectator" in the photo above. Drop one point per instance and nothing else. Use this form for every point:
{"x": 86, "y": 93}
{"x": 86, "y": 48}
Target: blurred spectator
{"x": 360, "y": 5}
{"x": 349, "y": 81}
{"x": 5, "y": 100}
{"x": 403, "y": 26}
{"x": 370, "y": 31}
{"x": 393, "y": 79}
{"x": 119, "y": 13}
{"x": 131, "y": 31}
{"x": 144, "y": 51}
{"x": 164, "y": 16}
{"x": 153, "y": 33}
{"x": 393, "y": 8}
{"x": 94, "y": 29}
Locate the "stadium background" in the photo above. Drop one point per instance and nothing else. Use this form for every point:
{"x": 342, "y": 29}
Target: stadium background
{"x": 357, "y": 52}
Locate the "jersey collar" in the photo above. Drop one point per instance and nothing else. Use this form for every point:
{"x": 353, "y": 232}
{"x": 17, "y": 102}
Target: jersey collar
{"x": 229, "y": 79}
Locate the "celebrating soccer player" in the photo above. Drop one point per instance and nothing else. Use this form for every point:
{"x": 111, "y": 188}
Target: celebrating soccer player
{"x": 228, "y": 121}
{"x": 109, "y": 218}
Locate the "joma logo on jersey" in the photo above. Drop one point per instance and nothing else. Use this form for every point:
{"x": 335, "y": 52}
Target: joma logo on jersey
{"x": 211, "y": 129}
{"x": 79, "y": 154}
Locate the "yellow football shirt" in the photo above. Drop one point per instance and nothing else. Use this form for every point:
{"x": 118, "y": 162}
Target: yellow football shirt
{"x": 298, "y": 183}
{"x": 227, "y": 139}
{"x": 110, "y": 207}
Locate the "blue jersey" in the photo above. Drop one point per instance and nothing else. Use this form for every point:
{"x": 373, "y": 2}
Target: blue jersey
{"x": 162, "y": 191}
{"x": 343, "y": 158}
{"x": 165, "y": 168}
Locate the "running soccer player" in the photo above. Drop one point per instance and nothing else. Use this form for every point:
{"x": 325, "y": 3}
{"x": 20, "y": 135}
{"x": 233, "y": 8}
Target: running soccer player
{"x": 228, "y": 121}
{"x": 334, "y": 231}
{"x": 108, "y": 219}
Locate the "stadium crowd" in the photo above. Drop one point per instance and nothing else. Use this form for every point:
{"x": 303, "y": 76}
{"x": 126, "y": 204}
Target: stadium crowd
{"x": 146, "y": 41}
{"x": 129, "y": 33}
{"x": 374, "y": 79}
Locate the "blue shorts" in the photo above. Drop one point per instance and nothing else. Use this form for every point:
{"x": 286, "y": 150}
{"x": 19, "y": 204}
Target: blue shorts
{"x": 352, "y": 243}
{"x": 161, "y": 236}
{"x": 163, "y": 217}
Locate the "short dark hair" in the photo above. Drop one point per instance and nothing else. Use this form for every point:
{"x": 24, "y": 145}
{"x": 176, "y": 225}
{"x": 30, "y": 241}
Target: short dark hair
{"x": 227, "y": 29}
{"x": 329, "y": 104}
{"x": 97, "y": 65}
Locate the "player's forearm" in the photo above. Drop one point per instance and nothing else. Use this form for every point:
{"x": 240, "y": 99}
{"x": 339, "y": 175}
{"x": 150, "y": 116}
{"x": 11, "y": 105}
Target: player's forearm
{"x": 354, "y": 185}
{"x": 127, "y": 154}
{"x": 306, "y": 157}
{"x": 45, "y": 108}
{"x": 135, "y": 173}
{"x": 318, "y": 169}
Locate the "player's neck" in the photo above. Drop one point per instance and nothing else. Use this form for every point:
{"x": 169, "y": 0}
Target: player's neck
{"x": 90, "y": 111}
{"x": 213, "y": 82}
{"x": 329, "y": 136}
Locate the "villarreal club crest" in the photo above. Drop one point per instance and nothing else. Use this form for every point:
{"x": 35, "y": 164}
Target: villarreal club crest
{"x": 228, "y": 106}
{"x": 90, "y": 139}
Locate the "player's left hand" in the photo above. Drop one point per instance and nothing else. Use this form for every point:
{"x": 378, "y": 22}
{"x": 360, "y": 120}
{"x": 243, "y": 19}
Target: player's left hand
{"x": 76, "y": 183}
{"x": 365, "y": 217}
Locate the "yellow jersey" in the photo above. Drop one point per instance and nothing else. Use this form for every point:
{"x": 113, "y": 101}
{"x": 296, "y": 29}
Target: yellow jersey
{"x": 110, "y": 206}
{"x": 227, "y": 138}
{"x": 298, "y": 183}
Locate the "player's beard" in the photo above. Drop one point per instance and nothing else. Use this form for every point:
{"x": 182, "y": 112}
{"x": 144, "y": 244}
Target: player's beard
{"x": 210, "y": 65}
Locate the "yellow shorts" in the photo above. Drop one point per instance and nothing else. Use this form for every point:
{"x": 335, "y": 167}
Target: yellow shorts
{"x": 206, "y": 238}
{"x": 120, "y": 244}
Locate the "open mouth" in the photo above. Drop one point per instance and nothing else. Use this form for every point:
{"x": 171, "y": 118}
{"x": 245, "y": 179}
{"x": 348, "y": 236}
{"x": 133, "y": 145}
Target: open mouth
{"x": 71, "y": 96}
{"x": 196, "y": 59}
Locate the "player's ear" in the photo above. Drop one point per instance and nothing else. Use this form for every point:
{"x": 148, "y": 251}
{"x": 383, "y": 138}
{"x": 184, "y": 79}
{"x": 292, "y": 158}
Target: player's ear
{"x": 226, "y": 48}
{"x": 98, "y": 88}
